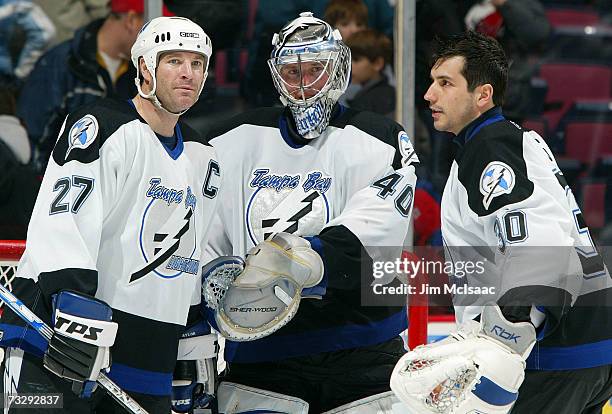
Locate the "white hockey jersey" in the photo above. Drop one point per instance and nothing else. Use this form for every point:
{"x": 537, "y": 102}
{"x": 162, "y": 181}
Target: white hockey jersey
{"x": 507, "y": 196}
{"x": 123, "y": 217}
{"x": 350, "y": 188}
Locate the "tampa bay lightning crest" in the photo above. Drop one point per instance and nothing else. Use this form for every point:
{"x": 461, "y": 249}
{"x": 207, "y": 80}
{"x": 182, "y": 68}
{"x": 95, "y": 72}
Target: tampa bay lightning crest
{"x": 406, "y": 149}
{"x": 82, "y": 133}
{"x": 292, "y": 203}
{"x": 167, "y": 236}
{"x": 496, "y": 179}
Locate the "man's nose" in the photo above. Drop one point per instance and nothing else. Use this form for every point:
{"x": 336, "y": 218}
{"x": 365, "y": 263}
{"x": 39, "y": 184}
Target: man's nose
{"x": 429, "y": 95}
{"x": 186, "y": 70}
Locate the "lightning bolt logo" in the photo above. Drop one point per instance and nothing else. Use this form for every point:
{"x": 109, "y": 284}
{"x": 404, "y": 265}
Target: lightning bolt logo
{"x": 496, "y": 179}
{"x": 290, "y": 224}
{"x": 82, "y": 133}
{"x": 166, "y": 245}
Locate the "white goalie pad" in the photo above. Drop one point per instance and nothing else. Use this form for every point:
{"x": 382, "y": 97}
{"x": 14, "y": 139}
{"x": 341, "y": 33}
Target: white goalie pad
{"x": 263, "y": 297}
{"x": 384, "y": 403}
{"x": 237, "y": 398}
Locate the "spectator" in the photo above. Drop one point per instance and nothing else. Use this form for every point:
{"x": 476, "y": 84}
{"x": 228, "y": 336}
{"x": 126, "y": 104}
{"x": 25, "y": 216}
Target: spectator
{"x": 522, "y": 29}
{"x": 25, "y": 31}
{"x": 18, "y": 182}
{"x": 257, "y": 86}
{"x": 370, "y": 52}
{"x": 93, "y": 64}
{"x": 69, "y": 15}
{"x": 348, "y": 16}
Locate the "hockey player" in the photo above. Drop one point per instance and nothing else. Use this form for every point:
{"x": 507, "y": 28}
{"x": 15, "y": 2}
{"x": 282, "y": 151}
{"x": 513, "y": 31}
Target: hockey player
{"x": 115, "y": 240}
{"x": 311, "y": 174}
{"x": 506, "y": 195}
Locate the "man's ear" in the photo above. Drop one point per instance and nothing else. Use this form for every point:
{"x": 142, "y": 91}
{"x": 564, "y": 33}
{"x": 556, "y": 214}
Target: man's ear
{"x": 485, "y": 95}
{"x": 144, "y": 71}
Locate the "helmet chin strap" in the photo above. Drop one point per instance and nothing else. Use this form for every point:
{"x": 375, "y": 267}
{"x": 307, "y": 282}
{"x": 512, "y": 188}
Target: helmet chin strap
{"x": 152, "y": 96}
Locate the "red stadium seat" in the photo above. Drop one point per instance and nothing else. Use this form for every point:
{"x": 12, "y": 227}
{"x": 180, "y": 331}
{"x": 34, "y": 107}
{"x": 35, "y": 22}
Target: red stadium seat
{"x": 539, "y": 125}
{"x": 572, "y": 17}
{"x": 568, "y": 82}
{"x": 593, "y": 198}
{"x": 588, "y": 141}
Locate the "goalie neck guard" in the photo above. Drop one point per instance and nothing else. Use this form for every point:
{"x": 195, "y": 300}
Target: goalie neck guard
{"x": 311, "y": 68}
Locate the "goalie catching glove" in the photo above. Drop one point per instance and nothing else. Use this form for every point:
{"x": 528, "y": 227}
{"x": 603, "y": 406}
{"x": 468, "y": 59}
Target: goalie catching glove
{"x": 266, "y": 291}
{"x": 476, "y": 370}
{"x": 82, "y": 336}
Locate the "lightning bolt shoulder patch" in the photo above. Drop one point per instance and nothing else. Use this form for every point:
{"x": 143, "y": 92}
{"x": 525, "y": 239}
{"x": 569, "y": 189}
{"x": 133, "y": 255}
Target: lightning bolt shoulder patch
{"x": 82, "y": 133}
{"x": 496, "y": 179}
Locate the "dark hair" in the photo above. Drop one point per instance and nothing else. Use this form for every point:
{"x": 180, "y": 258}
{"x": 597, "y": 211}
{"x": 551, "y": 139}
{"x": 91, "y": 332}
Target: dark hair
{"x": 338, "y": 10}
{"x": 370, "y": 44}
{"x": 485, "y": 60}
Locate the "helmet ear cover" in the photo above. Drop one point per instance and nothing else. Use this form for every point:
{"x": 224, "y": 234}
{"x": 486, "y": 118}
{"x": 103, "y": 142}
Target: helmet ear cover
{"x": 166, "y": 34}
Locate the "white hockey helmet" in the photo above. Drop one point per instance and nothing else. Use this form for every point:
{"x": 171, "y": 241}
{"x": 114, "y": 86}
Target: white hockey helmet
{"x": 165, "y": 34}
{"x": 308, "y": 45}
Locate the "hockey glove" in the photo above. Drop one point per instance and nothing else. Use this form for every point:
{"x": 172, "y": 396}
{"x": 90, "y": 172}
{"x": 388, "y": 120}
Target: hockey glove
{"x": 195, "y": 374}
{"x": 265, "y": 296}
{"x": 472, "y": 371}
{"x": 82, "y": 336}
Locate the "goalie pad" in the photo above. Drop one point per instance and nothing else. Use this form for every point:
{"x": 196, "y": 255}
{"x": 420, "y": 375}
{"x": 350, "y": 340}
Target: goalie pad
{"x": 471, "y": 372}
{"x": 384, "y": 403}
{"x": 266, "y": 294}
{"x": 237, "y": 398}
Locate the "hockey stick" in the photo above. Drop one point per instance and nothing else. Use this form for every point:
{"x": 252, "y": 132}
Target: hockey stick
{"x": 35, "y": 322}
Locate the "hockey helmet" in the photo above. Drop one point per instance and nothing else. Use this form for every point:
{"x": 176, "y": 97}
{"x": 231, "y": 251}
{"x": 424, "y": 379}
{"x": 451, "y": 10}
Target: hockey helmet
{"x": 165, "y": 34}
{"x": 311, "y": 68}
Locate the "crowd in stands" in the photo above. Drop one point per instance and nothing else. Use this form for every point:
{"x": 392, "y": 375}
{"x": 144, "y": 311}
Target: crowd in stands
{"x": 58, "y": 55}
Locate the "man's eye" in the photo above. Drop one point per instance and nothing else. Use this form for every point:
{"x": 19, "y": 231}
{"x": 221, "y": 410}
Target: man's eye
{"x": 197, "y": 63}
{"x": 173, "y": 61}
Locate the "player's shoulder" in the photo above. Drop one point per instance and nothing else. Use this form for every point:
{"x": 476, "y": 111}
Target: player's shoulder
{"x": 493, "y": 169}
{"x": 87, "y": 129}
{"x": 370, "y": 123}
{"x": 189, "y": 134}
{"x": 262, "y": 117}
{"x": 503, "y": 140}
{"x": 380, "y": 128}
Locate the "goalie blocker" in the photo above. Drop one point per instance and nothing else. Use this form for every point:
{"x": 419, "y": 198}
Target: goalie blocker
{"x": 255, "y": 298}
{"x": 477, "y": 369}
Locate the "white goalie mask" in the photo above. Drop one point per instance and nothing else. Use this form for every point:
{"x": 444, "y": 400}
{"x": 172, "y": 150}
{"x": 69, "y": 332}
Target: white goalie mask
{"x": 311, "y": 68}
{"x": 166, "y": 34}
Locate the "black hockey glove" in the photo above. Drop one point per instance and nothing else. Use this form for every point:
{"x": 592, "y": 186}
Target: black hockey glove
{"x": 81, "y": 341}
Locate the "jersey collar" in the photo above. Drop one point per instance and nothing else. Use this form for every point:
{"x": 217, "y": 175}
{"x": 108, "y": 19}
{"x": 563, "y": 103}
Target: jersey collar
{"x": 491, "y": 116}
{"x": 178, "y": 149}
{"x": 288, "y": 131}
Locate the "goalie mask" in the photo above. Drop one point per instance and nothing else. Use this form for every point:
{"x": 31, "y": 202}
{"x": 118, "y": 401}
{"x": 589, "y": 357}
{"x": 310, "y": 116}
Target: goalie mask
{"x": 166, "y": 34}
{"x": 311, "y": 68}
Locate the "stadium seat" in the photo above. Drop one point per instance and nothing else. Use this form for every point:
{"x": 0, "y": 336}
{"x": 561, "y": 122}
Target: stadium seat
{"x": 572, "y": 17}
{"x": 588, "y": 141}
{"x": 568, "y": 82}
{"x": 592, "y": 205}
{"x": 539, "y": 125}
